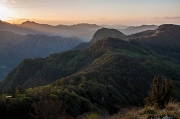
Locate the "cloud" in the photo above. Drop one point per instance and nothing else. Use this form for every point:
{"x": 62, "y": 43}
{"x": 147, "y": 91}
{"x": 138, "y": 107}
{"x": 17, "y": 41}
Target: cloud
{"x": 175, "y": 17}
{"x": 13, "y": 1}
{"x": 11, "y": 17}
{"x": 4, "y": 1}
{"x": 23, "y": 19}
{"x": 178, "y": 17}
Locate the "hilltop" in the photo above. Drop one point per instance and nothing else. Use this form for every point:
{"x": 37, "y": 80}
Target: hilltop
{"x": 107, "y": 75}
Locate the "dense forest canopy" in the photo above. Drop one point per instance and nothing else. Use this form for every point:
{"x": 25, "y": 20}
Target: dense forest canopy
{"x": 106, "y": 76}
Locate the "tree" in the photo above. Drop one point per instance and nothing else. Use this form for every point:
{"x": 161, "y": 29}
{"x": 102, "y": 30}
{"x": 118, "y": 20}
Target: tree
{"x": 161, "y": 92}
{"x": 19, "y": 92}
{"x": 47, "y": 108}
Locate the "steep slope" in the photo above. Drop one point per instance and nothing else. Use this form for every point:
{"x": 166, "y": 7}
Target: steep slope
{"x": 108, "y": 74}
{"x": 165, "y": 40}
{"x": 14, "y": 48}
{"x": 100, "y": 34}
{"x": 105, "y": 32}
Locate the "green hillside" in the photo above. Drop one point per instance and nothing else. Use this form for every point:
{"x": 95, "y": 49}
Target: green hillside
{"x": 108, "y": 75}
{"x": 105, "y": 77}
{"x": 165, "y": 40}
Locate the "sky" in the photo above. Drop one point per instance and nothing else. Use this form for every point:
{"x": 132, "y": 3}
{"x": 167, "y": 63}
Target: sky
{"x": 109, "y": 12}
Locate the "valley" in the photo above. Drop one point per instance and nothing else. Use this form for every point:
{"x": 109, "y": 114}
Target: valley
{"x": 110, "y": 72}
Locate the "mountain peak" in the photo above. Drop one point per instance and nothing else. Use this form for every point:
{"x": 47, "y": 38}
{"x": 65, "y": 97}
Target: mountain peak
{"x": 28, "y": 22}
{"x": 167, "y": 27}
{"x": 85, "y": 24}
{"x": 106, "y": 32}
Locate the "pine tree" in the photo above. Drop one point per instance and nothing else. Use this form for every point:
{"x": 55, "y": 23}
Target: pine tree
{"x": 161, "y": 92}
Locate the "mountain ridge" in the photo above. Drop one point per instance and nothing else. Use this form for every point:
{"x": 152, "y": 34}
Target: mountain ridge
{"x": 14, "y": 48}
{"x": 109, "y": 74}
{"x": 164, "y": 40}
{"x": 110, "y": 69}
{"x": 30, "y": 27}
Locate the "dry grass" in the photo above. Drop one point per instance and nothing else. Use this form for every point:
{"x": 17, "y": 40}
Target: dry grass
{"x": 171, "y": 109}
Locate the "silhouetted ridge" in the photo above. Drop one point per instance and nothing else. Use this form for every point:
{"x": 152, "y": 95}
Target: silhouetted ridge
{"x": 168, "y": 27}
{"x": 28, "y": 22}
{"x": 105, "y": 32}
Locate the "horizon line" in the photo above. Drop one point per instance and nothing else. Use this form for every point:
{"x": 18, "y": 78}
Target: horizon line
{"x": 46, "y": 23}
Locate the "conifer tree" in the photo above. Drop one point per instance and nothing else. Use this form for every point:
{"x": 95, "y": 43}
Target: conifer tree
{"x": 161, "y": 92}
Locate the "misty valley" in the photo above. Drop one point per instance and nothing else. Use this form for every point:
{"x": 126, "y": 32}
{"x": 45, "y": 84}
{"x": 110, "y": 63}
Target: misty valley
{"x": 88, "y": 71}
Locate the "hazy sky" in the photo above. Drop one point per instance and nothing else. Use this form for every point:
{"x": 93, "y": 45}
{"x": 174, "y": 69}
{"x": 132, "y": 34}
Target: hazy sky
{"x": 127, "y": 12}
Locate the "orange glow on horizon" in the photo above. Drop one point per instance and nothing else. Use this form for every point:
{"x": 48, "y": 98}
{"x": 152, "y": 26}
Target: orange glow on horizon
{"x": 109, "y": 12}
{"x": 135, "y": 22}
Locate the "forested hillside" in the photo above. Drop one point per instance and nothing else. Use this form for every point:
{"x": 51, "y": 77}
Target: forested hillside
{"x": 110, "y": 70}
{"x": 106, "y": 76}
{"x": 165, "y": 40}
{"x": 14, "y": 48}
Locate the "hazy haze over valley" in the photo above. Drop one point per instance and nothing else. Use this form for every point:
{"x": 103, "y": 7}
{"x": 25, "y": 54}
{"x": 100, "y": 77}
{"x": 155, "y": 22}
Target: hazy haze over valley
{"x": 89, "y": 59}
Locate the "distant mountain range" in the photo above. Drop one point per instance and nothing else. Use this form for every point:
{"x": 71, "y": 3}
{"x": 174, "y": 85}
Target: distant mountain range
{"x": 109, "y": 73}
{"x": 164, "y": 40}
{"x": 83, "y": 31}
{"x": 14, "y": 48}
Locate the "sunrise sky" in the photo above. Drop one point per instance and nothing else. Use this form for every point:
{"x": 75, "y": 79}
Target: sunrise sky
{"x": 110, "y": 12}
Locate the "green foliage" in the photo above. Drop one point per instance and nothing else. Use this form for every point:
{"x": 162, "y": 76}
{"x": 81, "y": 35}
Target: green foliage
{"x": 106, "y": 76}
{"x": 47, "y": 108}
{"x": 3, "y": 96}
{"x": 160, "y": 93}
